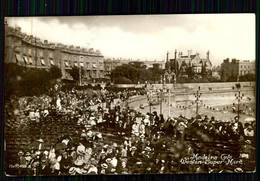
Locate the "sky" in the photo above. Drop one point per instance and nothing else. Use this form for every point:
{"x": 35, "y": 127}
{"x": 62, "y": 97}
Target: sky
{"x": 149, "y": 37}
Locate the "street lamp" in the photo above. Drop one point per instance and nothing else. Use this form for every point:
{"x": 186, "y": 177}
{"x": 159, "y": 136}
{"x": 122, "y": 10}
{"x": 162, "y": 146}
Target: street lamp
{"x": 169, "y": 76}
{"x": 149, "y": 99}
{"x": 103, "y": 97}
{"x": 80, "y": 76}
{"x": 125, "y": 98}
{"x": 239, "y": 97}
{"x": 160, "y": 98}
{"x": 197, "y": 96}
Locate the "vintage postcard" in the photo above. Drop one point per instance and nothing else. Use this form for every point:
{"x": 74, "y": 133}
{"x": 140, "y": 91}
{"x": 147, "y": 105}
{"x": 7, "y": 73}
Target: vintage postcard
{"x": 138, "y": 94}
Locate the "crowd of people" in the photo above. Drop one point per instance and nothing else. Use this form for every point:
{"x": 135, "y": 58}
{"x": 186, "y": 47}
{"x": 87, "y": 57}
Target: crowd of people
{"x": 119, "y": 140}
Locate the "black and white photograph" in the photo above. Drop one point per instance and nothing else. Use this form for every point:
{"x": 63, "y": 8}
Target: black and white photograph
{"x": 129, "y": 94}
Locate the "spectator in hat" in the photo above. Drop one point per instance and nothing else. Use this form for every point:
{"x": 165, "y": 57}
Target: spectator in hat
{"x": 181, "y": 130}
{"x": 81, "y": 149}
{"x": 161, "y": 121}
{"x": 155, "y": 118}
{"x": 72, "y": 171}
{"x": 22, "y": 160}
{"x": 52, "y": 154}
{"x": 65, "y": 163}
{"x": 147, "y": 120}
{"x": 135, "y": 129}
{"x": 104, "y": 166}
{"x": 142, "y": 128}
{"x": 240, "y": 126}
{"x": 58, "y": 103}
{"x": 248, "y": 131}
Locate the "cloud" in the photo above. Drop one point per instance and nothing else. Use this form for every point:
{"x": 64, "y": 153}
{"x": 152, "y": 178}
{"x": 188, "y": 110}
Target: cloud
{"x": 150, "y": 37}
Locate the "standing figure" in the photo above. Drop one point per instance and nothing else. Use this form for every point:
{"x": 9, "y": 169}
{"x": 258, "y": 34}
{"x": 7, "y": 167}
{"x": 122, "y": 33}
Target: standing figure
{"x": 58, "y": 103}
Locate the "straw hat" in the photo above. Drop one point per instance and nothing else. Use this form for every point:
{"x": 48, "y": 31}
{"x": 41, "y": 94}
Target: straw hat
{"x": 108, "y": 160}
{"x": 248, "y": 142}
{"x": 148, "y": 149}
{"x": 114, "y": 144}
{"x": 113, "y": 170}
{"x": 238, "y": 170}
{"x": 72, "y": 170}
{"x": 20, "y": 153}
{"x": 99, "y": 135}
{"x": 40, "y": 140}
{"x": 104, "y": 165}
{"x": 133, "y": 148}
{"x": 78, "y": 162}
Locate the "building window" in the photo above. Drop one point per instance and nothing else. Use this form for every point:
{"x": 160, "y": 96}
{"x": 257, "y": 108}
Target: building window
{"x": 51, "y": 54}
{"x": 18, "y": 58}
{"x": 76, "y": 64}
{"x": 81, "y": 64}
{"x": 30, "y": 60}
{"x": 41, "y": 53}
{"x": 94, "y": 74}
{"x": 29, "y": 51}
{"x": 25, "y": 60}
{"x": 17, "y": 49}
{"x": 51, "y": 62}
{"x": 34, "y": 51}
{"x": 43, "y": 62}
{"x": 66, "y": 64}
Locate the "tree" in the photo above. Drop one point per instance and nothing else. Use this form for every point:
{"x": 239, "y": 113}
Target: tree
{"x": 23, "y": 81}
{"x": 122, "y": 80}
{"x": 13, "y": 74}
{"x": 54, "y": 73}
{"x": 223, "y": 75}
{"x": 137, "y": 64}
{"x": 232, "y": 78}
{"x": 203, "y": 70}
{"x": 74, "y": 72}
{"x": 154, "y": 74}
{"x": 247, "y": 77}
{"x": 189, "y": 71}
{"x": 136, "y": 72}
{"x": 215, "y": 77}
{"x": 34, "y": 82}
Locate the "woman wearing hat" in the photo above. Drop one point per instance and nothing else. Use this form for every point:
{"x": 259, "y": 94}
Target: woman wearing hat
{"x": 135, "y": 130}
{"x": 248, "y": 131}
{"x": 104, "y": 168}
{"x": 142, "y": 128}
{"x": 21, "y": 161}
{"x": 72, "y": 170}
{"x": 65, "y": 163}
